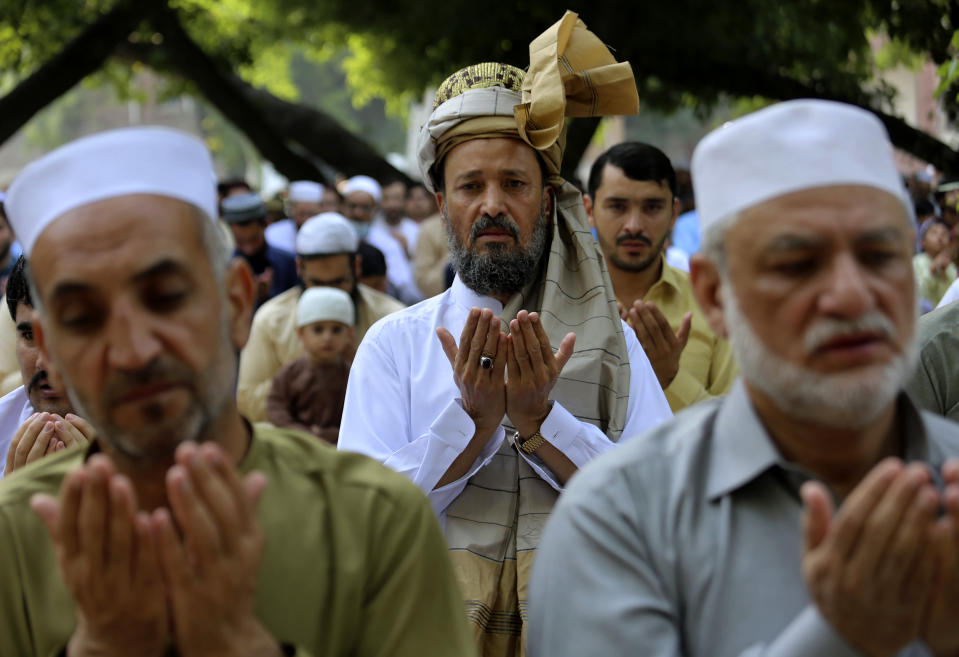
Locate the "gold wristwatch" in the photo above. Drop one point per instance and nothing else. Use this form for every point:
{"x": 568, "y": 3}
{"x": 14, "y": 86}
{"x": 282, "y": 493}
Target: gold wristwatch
{"x": 531, "y": 444}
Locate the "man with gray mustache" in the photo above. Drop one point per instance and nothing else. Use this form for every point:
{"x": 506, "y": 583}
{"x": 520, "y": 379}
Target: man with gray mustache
{"x": 718, "y": 533}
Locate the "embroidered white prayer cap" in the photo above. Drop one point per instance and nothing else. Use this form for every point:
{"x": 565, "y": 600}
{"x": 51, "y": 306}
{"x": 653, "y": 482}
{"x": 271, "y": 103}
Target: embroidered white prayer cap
{"x": 324, "y": 304}
{"x": 325, "y": 234}
{"x": 305, "y": 191}
{"x": 363, "y": 184}
{"x": 789, "y": 147}
{"x": 139, "y": 160}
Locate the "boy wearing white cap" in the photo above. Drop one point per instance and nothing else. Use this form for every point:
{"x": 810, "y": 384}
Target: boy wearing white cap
{"x": 716, "y": 533}
{"x": 181, "y": 529}
{"x": 308, "y": 393}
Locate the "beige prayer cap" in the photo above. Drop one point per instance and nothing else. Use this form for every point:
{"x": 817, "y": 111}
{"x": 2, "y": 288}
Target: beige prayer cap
{"x": 571, "y": 74}
{"x": 789, "y": 147}
{"x": 141, "y": 160}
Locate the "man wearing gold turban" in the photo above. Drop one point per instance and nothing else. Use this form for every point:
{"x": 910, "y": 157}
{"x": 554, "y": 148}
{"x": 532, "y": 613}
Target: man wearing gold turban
{"x": 532, "y": 374}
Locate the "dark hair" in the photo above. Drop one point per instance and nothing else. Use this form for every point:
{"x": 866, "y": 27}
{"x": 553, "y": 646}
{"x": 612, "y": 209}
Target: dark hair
{"x": 923, "y": 207}
{"x": 18, "y": 287}
{"x": 373, "y": 262}
{"x": 638, "y": 161}
{"x": 224, "y": 186}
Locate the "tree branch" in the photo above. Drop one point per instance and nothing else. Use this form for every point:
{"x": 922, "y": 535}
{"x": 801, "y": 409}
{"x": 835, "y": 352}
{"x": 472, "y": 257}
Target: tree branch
{"x": 222, "y": 90}
{"x": 81, "y": 57}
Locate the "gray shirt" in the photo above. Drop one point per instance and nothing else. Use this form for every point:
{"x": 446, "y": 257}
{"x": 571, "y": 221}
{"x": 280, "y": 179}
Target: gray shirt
{"x": 935, "y": 384}
{"x": 687, "y": 541}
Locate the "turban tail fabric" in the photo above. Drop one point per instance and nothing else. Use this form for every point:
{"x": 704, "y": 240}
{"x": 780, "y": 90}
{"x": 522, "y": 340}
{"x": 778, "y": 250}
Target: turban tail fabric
{"x": 493, "y": 528}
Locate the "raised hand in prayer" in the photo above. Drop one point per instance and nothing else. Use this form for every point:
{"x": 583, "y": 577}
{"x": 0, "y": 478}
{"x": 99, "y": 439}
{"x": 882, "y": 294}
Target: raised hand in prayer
{"x": 210, "y": 574}
{"x": 481, "y": 389}
{"x": 868, "y": 569}
{"x": 33, "y": 440}
{"x": 532, "y": 371}
{"x": 106, "y": 555}
{"x": 663, "y": 347}
{"x": 940, "y": 630}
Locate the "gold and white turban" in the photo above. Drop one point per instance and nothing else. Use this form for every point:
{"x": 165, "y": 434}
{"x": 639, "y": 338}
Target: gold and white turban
{"x": 571, "y": 74}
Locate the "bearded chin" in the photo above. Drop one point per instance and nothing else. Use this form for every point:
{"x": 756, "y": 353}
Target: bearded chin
{"x": 843, "y": 400}
{"x": 501, "y": 268}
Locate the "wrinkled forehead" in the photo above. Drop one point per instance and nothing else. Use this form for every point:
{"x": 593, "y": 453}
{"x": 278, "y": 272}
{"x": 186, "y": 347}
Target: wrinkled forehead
{"x": 115, "y": 238}
{"x": 839, "y": 211}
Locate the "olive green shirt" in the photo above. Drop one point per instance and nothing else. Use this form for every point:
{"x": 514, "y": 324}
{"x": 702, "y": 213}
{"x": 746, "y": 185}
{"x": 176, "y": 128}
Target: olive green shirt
{"x": 353, "y": 561}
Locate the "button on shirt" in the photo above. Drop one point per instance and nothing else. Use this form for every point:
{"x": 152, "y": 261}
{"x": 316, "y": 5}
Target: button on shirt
{"x": 403, "y": 409}
{"x": 687, "y": 542}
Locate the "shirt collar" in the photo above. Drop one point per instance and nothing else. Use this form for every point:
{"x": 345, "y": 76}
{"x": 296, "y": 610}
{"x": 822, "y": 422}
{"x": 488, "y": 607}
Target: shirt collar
{"x": 742, "y": 450}
{"x": 467, "y": 298}
{"x": 667, "y": 275}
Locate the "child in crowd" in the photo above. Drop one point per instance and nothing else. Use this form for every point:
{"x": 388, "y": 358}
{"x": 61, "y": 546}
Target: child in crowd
{"x": 308, "y": 393}
{"x": 933, "y": 267}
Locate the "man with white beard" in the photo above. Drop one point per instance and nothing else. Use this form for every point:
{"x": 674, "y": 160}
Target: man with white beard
{"x": 716, "y": 534}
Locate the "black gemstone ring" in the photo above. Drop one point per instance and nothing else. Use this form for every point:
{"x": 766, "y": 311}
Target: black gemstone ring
{"x": 486, "y": 362}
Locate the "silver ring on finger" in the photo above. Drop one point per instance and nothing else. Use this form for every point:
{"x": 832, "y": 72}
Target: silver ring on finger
{"x": 486, "y": 361}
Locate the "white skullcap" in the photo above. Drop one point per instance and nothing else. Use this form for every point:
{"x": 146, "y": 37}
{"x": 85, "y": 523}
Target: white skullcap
{"x": 324, "y": 304}
{"x": 788, "y": 147}
{"x": 363, "y": 184}
{"x": 141, "y": 160}
{"x": 326, "y": 233}
{"x": 306, "y": 191}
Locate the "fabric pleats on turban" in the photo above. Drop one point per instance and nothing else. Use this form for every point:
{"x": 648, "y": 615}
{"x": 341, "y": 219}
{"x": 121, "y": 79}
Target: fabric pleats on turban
{"x": 493, "y": 527}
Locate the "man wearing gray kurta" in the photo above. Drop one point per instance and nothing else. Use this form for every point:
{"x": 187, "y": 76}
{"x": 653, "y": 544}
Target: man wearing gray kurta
{"x": 688, "y": 543}
{"x": 716, "y": 534}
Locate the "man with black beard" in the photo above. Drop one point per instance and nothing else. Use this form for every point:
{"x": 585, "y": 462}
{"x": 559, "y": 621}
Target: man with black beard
{"x": 632, "y": 204}
{"x": 37, "y": 418}
{"x": 492, "y": 394}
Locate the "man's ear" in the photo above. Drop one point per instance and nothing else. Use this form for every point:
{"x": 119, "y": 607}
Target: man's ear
{"x": 672, "y": 222}
{"x": 440, "y": 202}
{"x": 357, "y": 266}
{"x": 588, "y": 204}
{"x": 299, "y": 267}
{"x": 707, "y": 286}
{"x": 240, "y": 291}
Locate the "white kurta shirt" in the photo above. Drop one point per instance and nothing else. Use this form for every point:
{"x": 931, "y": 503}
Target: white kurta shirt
{"x": 399, "y": 269}
{"x": 403, "y": 408}
{"x": 15, "y": 408}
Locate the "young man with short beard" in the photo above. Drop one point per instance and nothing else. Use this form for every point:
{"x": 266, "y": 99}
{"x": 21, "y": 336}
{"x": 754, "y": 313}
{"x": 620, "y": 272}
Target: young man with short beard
{"x": 632, "y": 205}
{"x": 716, "y": 535}
{"x": 491, "y": 395}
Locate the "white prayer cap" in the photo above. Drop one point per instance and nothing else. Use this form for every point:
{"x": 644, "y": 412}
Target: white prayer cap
{"x": 324, "y": 304}
{"x": 363, "y": 184}
{"x": 140, "y": 160}
{"x": 789, "y": 147}
{"x": 326, "y": 233}
{"x": 306, "y": 191}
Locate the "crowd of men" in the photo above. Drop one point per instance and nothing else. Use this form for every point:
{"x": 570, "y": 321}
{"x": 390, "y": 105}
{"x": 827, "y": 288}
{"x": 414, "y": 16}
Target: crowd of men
{"x": 359, "y": 429}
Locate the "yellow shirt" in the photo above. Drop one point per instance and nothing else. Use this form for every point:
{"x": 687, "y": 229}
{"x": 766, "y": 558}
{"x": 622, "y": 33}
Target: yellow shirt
{"x": 353, "y": 561}
{"x": 273, "y": 343}
{"x": 431, "y": 257}
{"x": 706, "y": 367}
